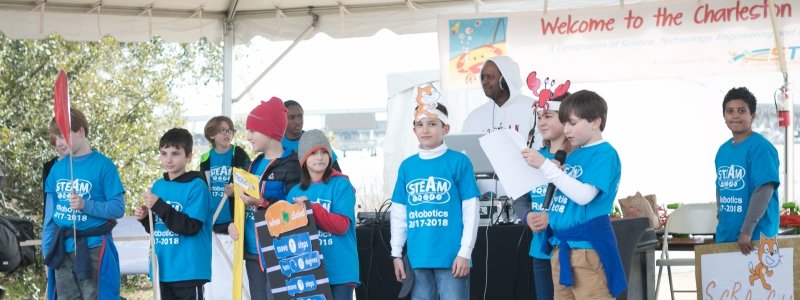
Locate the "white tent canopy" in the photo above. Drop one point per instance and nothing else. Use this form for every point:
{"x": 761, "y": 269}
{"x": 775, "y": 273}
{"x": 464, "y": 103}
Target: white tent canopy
{"x": 233, "y": 21}
{"x": 187, "y": 20}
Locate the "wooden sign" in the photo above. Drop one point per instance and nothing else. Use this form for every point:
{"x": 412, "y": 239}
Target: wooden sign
{"x": 769, "y": 272}
{"x": 246, "y": 182}
{"x": 295, "y": 265}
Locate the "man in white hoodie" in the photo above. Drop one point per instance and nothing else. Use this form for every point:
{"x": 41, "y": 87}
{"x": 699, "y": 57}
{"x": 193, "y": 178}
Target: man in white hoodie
{"x": 509, "y": 109}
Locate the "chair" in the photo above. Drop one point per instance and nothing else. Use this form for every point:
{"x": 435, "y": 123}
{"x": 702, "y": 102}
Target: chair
{"x": 696, "y": 218}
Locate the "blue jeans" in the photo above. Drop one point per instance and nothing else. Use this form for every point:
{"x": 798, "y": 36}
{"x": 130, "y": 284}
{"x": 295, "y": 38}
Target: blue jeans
{"x": 428, "y": 283}
{"x": 342, "y": 291}
{"x": 542, "y": 279}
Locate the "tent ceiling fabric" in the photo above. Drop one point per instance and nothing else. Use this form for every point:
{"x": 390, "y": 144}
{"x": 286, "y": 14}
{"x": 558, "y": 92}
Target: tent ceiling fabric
{"x": 189, "y": 20}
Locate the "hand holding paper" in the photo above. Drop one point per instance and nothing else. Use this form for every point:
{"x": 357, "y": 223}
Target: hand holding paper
{"x": 503, "y": 148}
{"x": 533, "y": 157}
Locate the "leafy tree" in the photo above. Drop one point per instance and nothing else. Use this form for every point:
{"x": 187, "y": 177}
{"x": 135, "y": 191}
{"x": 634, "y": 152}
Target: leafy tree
{"x": 124, "y": 89}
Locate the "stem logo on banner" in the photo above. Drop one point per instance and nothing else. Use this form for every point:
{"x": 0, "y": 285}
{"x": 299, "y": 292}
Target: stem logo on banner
{"x": 665, "y": 39}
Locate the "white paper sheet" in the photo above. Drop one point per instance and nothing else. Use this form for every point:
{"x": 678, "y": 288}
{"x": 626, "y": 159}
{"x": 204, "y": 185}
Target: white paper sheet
{"x": 504, "y": 150}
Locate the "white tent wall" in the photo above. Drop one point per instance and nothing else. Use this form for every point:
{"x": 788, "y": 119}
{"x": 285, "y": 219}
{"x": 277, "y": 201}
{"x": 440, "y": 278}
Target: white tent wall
{"x": 666, "y": 132}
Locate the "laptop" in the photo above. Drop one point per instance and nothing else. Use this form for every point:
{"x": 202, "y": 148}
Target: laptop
{"x": 468, "y": 144}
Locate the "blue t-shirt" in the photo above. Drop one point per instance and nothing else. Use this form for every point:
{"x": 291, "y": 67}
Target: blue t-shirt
{"x": 293, "y": 145}
{"x": 339, "y": 251}
{"x": 537, "y": 201}
{"x": 96, "y": 180}
{"x": 741, "y": 169}
{"x": 432, "y": 191}
{"x": 183, "y": 257}
{"x": 597, "y": 165}
{"x": 219, "y": 175}
{"x": 250, "y": 243}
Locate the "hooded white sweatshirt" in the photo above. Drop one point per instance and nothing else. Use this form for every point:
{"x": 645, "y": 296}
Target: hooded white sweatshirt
{"x": 516, "y": 113}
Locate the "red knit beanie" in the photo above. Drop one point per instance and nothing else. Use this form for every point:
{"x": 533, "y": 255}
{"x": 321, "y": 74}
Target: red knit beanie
{"x": 268, "y": 118}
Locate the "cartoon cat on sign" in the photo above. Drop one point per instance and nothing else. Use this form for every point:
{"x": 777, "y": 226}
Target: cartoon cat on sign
{"x": 768, "y": 258}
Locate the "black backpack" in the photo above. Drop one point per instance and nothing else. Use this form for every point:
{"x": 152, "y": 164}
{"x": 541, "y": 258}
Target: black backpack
{"x": 12, "y": 231}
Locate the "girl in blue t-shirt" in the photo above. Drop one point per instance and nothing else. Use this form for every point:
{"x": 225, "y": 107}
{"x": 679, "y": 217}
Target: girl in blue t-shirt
{"x": 531, "y": 208}
{"x": 333, "y": 201}
{"x": 586, "y": 247}
{"x": 747, "y": 176}
{"x": 434, "y": 206}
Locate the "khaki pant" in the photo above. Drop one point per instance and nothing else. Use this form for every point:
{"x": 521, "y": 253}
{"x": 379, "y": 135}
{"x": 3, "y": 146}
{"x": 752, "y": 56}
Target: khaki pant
{"x": 588, "y": 276}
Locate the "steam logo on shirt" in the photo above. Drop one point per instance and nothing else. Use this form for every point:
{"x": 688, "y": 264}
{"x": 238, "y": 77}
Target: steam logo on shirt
{"x": 177, "y": 206}
{"x": 574, "y": 171}
{"x": 539, "y": 191}
{"x": 220, "y": 174}
{"x": 325, "y": 203}
{"x": 433, "y": 190}
{"x": 731, "y": 177}
{"x": 81, "y": 187}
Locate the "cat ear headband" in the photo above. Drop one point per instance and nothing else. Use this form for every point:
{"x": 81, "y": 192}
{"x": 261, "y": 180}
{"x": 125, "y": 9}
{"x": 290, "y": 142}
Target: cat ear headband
{"x": 427, "y": 101}
{"x": 546, "y": 95}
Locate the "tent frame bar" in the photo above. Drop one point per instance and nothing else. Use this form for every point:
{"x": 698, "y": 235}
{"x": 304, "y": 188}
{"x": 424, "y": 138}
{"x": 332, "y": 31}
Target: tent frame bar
{"x": 110, "y": 9}
{"x": 301, "y": 37}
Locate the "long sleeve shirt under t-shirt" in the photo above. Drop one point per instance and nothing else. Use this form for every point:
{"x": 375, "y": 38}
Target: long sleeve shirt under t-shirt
{"x": 435, "y": 205}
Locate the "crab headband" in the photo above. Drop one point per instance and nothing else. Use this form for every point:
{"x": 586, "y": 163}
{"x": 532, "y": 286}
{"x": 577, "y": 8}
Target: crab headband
{"x": 427, "y": 101}
{"x": 546, "y": 95}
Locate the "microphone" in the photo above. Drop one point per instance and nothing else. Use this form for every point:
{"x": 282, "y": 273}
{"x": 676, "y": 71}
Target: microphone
{"x": 531, "y": 137}
{"x": 561, "y": 156}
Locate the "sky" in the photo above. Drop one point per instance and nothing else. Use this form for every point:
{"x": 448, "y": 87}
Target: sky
{"x": 347, "y": 74}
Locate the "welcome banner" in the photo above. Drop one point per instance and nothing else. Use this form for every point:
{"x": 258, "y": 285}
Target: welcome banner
{"x": 666, "y": 39}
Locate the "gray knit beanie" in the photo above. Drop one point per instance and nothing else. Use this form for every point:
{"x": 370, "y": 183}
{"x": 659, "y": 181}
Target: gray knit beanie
{"x": 311, "y": 141}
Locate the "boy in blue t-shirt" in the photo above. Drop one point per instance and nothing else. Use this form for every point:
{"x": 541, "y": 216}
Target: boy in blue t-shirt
{"x": 61, "y": 151}
{"x": 435, "y": 208}
{"x": 216, "y": 167}
{"x": 586, "y": 247}
{"x": 747, "y": 176}
{"x": 91, "y": 199}
{"x": 278, "y": 171}
{"x": 183, "y": 220}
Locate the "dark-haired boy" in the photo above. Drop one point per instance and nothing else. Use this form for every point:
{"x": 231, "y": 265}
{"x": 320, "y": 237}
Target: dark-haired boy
{"x": 747, "y": 176}
{"x": 183, "y": 220}
{"x": 89, "y": 197}
{"x": 585, "y": 262}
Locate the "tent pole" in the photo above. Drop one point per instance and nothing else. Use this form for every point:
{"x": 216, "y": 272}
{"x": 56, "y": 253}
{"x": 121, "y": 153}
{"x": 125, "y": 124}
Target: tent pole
{"x": 789, "y": 156}
{"x": 788, "y": 159}
{"x": 315, "y": 19}
{"x": 227, "y": 69}
{"x": 229, "y": 41}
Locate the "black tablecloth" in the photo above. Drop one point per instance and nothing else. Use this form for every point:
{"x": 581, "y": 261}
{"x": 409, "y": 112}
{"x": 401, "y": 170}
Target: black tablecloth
{"x": 509, "y": 264}
{"x": 510, "y": 275}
